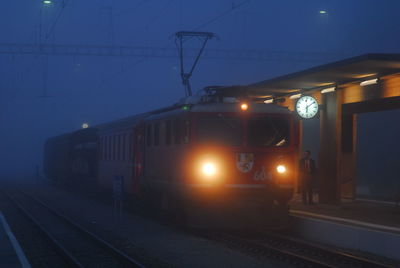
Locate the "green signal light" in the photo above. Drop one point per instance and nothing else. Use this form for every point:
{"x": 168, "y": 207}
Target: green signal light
{"x": 186, "y": 108}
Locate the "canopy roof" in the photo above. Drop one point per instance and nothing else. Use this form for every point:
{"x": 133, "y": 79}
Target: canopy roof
{"x": 354, "y": 69}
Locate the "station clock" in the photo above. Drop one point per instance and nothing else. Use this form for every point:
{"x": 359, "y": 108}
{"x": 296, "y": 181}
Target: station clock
{"x": 306, "y": 107}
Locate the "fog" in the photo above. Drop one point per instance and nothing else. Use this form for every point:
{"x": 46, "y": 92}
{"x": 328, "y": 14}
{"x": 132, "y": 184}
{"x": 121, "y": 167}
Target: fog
{"x": 42, "y": 96}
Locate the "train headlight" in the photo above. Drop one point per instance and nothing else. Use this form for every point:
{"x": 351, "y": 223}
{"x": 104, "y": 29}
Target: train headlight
{"x": 281, "y": 169}
{"x": 209, "y": 169}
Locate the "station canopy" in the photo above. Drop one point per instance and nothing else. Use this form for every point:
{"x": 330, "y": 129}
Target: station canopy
{"x": 350, "y": 70}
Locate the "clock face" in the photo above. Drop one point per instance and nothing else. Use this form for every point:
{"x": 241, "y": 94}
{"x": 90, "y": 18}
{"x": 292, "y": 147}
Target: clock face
{"x": 306, "y": 107}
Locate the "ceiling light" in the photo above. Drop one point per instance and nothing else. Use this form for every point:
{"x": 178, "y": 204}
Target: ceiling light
{"x": 369, "y": 82}
{"x": 327, "y": 90}
{"x": 296, "y": 96}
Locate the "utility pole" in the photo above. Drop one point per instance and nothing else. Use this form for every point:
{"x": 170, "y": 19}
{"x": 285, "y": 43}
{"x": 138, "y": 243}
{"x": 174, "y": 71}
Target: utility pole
{"x": 46, "y": 4}
{"x": 180, "y": 38}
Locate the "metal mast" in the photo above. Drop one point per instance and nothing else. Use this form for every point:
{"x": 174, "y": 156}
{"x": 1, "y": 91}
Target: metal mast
{"x": 180, "y": 38}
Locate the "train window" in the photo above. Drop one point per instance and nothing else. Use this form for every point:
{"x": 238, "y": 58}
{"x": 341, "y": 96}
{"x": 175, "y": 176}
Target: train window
{"x": 123, "y": 146}
{"x": 168, "y": 132}
{"x": 268, "y": 131}
{"x": 156, "y": 134}
{"x": 114, "y": 145}
{"x": 109, "y": 147}
{"x": 186, "y": 131}
{"x": 148, "y": 135}
{"x": 131, "y": 146}
{"x": 177, "y": 132}
{"x": 118, "y": 147}
{"x": 100, "y": 143}
{"x": 107, "y": 150}
{"x": 103, "y": 148}
{"x": 219, "y": 130}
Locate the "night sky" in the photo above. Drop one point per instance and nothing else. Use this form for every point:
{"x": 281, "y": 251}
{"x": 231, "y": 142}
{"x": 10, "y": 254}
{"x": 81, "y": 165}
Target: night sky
{"x": 92, "y": 89}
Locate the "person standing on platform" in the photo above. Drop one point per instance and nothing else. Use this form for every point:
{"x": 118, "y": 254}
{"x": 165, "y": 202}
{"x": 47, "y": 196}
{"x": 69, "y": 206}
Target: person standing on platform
{"x": 307, "y": 177}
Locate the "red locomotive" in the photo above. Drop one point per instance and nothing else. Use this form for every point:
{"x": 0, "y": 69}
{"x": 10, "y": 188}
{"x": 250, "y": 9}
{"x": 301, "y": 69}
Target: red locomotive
{"x": 212, "y": 159}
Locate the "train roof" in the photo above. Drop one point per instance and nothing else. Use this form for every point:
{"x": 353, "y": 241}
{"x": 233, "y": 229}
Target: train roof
{"x": 235, "y": 107}
{"x": 185, "y": 107}
{"x": 69, "y": 135}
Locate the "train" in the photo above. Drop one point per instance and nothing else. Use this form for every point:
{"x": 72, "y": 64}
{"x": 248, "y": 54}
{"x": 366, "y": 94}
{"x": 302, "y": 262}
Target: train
{"x": 213, "y": 160}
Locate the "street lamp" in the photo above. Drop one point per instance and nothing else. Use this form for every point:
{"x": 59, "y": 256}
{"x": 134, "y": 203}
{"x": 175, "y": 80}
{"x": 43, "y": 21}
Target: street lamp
{"x": 47, "y": 2}
{"x": 85, "y": 125}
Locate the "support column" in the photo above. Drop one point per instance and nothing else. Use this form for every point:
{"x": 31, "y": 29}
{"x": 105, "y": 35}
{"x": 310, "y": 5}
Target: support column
{"x": 347, "y": 169}
{"x": 331, "y": 121}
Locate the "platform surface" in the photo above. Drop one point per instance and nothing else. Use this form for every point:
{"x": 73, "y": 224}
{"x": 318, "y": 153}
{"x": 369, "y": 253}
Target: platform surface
{"x": 11, "y": 254}
{"x": 381, "y": 216}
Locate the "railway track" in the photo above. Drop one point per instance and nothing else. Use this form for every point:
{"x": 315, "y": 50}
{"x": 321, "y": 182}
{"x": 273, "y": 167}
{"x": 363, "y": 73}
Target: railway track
{"x": 293, "y": 252}
{"x": 286, "y": 251}
{"x": 39, "y": 250}
{"x": 78, "y": 246}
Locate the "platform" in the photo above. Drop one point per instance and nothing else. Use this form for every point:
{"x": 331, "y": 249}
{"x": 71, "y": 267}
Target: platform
{"x": 363, "y": 225}
{"x": 11, "y": 254}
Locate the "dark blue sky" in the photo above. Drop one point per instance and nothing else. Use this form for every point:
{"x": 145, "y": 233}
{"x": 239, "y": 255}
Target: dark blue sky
{"x": 99, "y": 89}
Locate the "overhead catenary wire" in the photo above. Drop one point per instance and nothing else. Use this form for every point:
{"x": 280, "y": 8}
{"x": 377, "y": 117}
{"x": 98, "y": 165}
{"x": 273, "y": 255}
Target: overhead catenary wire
{"x": 53, "y": 26}
{"x": 134, "y": 8}
{"x": 223, "y": 14}
{"x": 154, "y": 19}
{"x": 167, "y": 45}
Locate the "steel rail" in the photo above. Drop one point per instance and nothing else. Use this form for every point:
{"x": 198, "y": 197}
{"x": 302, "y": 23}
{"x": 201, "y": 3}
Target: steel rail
{"x": 104, "y": 244}
{"x": 326, "y": 257}
{"x": 342, "y": 254}
{"x": 271, "y": 252}
{"x": 59, "y": 247}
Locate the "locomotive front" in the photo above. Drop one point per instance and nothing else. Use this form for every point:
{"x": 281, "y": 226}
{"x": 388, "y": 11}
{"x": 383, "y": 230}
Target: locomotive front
{"x": 241, "y": 166}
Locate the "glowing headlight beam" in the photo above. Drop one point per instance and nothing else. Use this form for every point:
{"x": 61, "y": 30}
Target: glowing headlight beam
{"x": 244, "y": 106}
{"x": 209, "y": 169}
{"x": 281, "y": 169}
